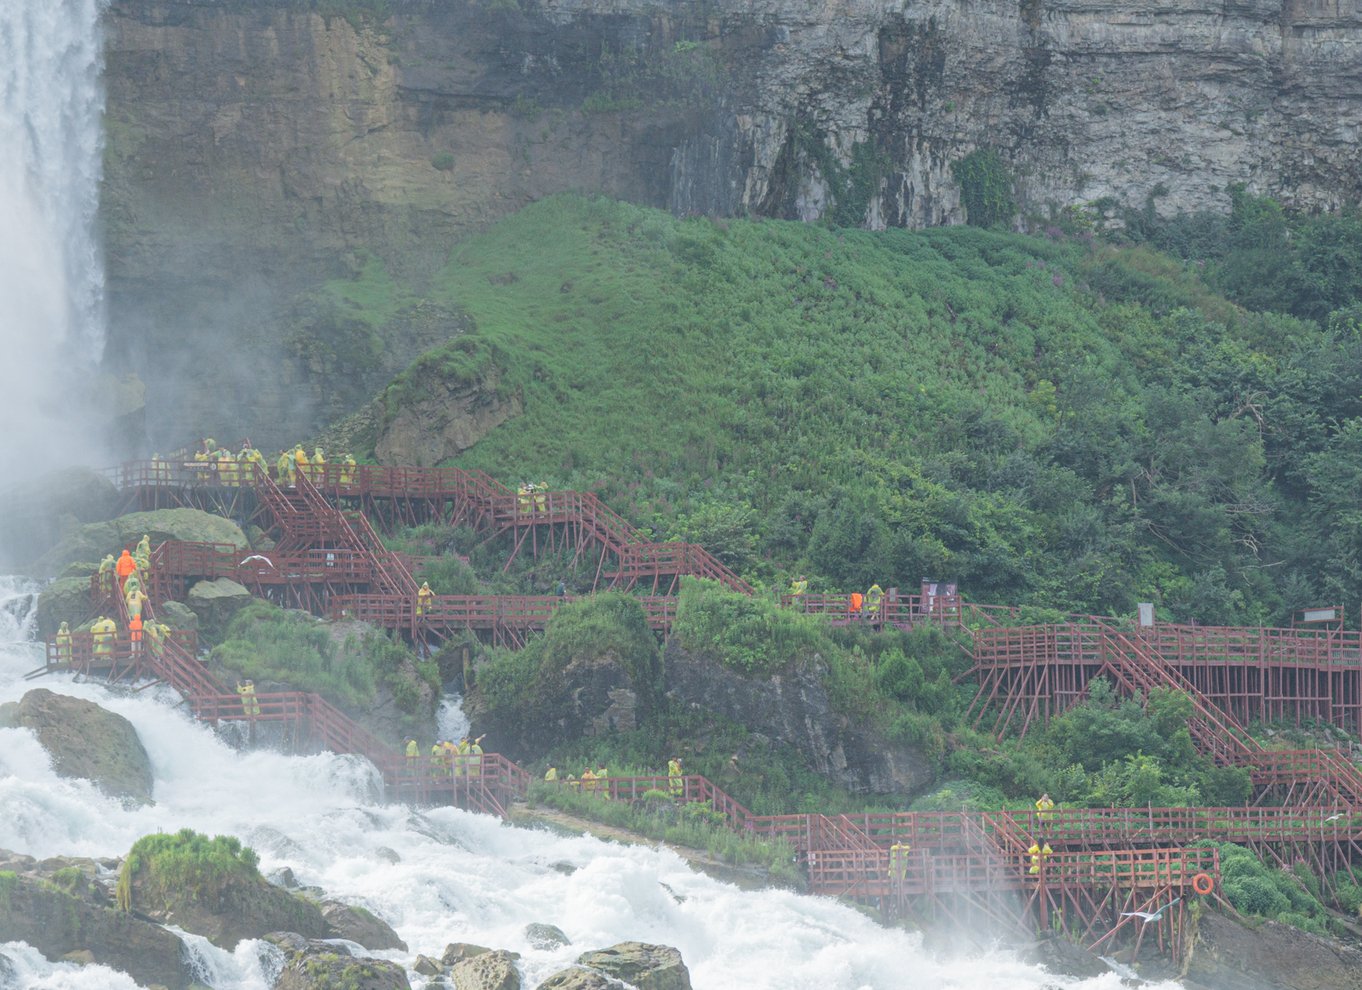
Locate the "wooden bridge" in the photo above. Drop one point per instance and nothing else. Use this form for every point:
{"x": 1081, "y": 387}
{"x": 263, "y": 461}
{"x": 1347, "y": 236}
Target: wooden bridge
{"x": 329, "y": 559}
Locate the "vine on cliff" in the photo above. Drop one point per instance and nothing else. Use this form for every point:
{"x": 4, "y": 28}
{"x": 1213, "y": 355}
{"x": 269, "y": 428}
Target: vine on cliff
{"x": 985, "y": 188}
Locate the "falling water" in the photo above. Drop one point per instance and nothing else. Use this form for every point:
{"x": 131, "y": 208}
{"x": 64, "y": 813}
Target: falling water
{"x": 51, "y": 272}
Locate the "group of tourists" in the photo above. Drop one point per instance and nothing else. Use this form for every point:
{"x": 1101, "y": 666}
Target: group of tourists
{"x": 448, "y": 759}
{"x": 295, "y": 463}
{"x": 590, "y": 782}
{"x": 213, "y": 463}
{"x": 532, "y": 496}
{"x": 598, "y": 781}
{"x": 858, "y": 605}
{"x": 126, "y": 577}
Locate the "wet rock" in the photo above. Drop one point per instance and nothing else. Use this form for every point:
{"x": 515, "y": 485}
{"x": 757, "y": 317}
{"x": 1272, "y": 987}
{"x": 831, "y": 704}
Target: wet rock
{"x": 427, "y": 966}
{"x": 793, "y": 709}
{"x": 215, "y": 602}
{"x": 1228, "y": 955}
{"x": 206, "y": 887}
{"x": 647, "y": 967}
{"x": 87, "y": 742}
{"x": 58, "y": 924}
{"x": 177, "y": 615}
{"x": 312, "y": 965}
{"x": 92, "y": 541}
{"x": 1062, "y": 956}
{"x": 446, "y": 419}
{"x": 387, "y": 855}
{"x": 283, "y": 877}
{"x": 457, "y": 952}
{"x": 358, "y": 924}
{"x": 66, "y": 599}
{"x": 543, "y": 936}
{"x": 577, "y": 978}
{"x": 488, "y": 971}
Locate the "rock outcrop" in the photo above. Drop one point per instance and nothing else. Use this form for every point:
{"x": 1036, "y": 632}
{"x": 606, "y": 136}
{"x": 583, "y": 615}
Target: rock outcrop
{"x": 257, "y": 147}
{"x": 1228, "y": 955}
{"x": 313, "y": 965}
{"x": 77, "y": 922}
{"x": 215, "y": 602}
{"x": 86, "y": 742}
{"x": 89, "y": 543}
{"x": 448, "y": 419}
{"x": 212, "y": 888}
{"x": 794, "y": 711}
{"x": 361, "y": 926}
{"x": 647, "y": 967}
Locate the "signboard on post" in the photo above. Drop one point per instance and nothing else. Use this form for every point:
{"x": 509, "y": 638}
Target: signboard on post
{"x": 1146, "y": 614}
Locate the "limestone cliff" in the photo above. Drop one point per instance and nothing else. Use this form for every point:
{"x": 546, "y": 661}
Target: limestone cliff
{"x": 256, "y": 148}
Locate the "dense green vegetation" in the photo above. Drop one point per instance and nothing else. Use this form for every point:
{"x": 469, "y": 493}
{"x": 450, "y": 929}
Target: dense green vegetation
{"x": 1062, "y": 423}
{"x": 186, "y": 862}
{"x": 267, "y": 643}
{"x": 1048, "y": 421}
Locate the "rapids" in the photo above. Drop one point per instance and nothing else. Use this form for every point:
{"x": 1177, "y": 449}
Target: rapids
{"x": 459, "y": 876}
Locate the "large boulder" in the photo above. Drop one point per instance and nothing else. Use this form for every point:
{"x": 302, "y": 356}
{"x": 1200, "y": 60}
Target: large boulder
{"x": 177, "y": 615}
{"x": 647, "y": 967}
{"x": 312, "y": 965}
{"x": 432, "y": 417}
{"x": 486, "y": 971}
{"x": 1229, "y": 955}
{"x": 91, "y": 542}
{"x": 215, "y": 602}
{"x": 578, "y": 978}
{"x": 360, "y": 925}
{"x": 213, "y": 888}
{"x": 87, "y": 742}
{"x": 64, "y": 600}
{"x": 63, "y": 918}
{"x": 585, "y": 685}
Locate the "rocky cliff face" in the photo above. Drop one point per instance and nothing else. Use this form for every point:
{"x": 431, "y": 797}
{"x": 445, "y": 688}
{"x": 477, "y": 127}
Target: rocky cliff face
{"x": 255, "y": 149}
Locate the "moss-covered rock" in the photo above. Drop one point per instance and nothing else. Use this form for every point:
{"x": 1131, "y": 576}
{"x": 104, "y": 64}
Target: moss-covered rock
{"x": 87, "y": 742}
{"x": 488, "y": 971}
{"x": 215, "y": 603}
{"x": 64, "y": 600}
{"x": 94, "y": 540}
{"x": 313, "y": 965}
{"x": 211, "y": 887}
{"x": 578, "y": 978}
{"x": 61, "y": 924}
{"x": 177, "y": 615}
{"x": 648, "y": 967}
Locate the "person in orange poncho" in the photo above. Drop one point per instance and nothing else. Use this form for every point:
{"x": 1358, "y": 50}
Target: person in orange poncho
{"x": 125, "y": 566}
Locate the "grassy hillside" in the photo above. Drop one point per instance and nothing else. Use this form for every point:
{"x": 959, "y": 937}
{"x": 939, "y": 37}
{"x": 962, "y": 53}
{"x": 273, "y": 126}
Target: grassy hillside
{"x": 1047, "y": 421}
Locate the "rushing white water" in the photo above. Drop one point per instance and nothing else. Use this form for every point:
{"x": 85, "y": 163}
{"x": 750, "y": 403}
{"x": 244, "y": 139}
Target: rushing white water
{"x": 459, "y": 877}
{"x": 51, "y": 273}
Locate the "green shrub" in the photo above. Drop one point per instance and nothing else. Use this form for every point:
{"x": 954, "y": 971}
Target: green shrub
{"x": 748, "y": 633}
{"x": 443, "y": 162}
{"x": 266, "y": 643}
{"x": 185, "y": 862}
{"x": 985, "y": 188}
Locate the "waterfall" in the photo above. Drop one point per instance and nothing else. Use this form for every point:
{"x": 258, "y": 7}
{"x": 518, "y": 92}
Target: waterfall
{"x": 51, "y": 271}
